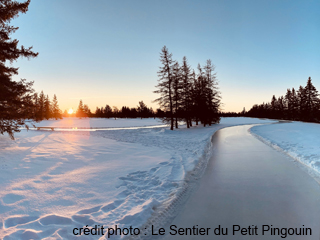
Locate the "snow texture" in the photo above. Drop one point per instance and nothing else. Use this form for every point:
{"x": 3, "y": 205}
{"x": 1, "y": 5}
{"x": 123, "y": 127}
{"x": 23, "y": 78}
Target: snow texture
{"x": 297, "y": 139}
{"x": 55, "y": 181}
{"x": 96, "y": 123}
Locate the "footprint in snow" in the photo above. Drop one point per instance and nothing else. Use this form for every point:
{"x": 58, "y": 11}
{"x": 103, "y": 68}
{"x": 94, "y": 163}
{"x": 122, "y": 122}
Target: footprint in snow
{"x": 12, "y": 198}
{"x": 90, "y": 210}
{"x": 14, "y": 221}
{"x": 54, "y": 219}
{"x": 112, "y": 205}
{"x": 83, "y": 219}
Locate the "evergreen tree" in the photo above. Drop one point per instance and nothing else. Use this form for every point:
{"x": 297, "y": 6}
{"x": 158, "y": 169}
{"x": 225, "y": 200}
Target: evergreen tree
{"x": 280, "y": 109}
{"x": 176, "y": 86}
{"x": 312, "y": 100}
{"x": 142, "y": 110}
{"x": 47, "y": 108}
{"x": 86, "y": 110}
{"x": 35, "y": 106}
{"x": 65, "y": 113}
{"x": 301, "y": 95}
{"x": 41, "y": 107}
{"x": 98, "y": 112}
{"x": 202, "y": 103}
{"x": 56, "y": 112}
{"x": 295, "y": 104}
{"x": 212, "y": 94}
{"x": 133, "y": 112}
{"x": 80, "y": 111}
{"x": 115, "y": 112}
{"x": 288, "y": 104}
{"x": 107, "y": 111}
{"x": 165, "y": 84}
{"x": 186, "y": 102}
{"x": 195, "y": 94}
{"x": 14, "y": 96}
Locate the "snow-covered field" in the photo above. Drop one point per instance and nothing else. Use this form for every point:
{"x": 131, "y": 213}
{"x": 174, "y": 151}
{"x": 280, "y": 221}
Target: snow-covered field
{"x": 55, "y": 181}
{"x": 299, "y": 140}
{"x": 73, "y": 122}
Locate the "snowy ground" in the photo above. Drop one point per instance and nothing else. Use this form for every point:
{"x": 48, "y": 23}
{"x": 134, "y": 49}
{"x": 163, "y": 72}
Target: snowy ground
{"x": 53, "y": 182}
{"x": 299, "y": 140}
{"x": 73, "y": 122}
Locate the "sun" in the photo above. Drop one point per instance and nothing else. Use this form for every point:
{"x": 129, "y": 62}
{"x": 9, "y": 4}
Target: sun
{"x": 70, "y": 111}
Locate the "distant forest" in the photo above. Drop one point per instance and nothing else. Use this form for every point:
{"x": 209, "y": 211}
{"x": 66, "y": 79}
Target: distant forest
{"x": 141, "y": 111}
{"x": 301, "y": 105}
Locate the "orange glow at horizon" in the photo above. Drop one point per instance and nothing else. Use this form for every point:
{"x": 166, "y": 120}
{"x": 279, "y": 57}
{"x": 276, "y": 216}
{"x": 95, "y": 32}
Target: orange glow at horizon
{"x": 70, "y": 111}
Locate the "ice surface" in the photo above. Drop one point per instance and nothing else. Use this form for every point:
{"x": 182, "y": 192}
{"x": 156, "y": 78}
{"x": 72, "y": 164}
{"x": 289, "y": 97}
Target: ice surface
{"x": 52, "y": 182}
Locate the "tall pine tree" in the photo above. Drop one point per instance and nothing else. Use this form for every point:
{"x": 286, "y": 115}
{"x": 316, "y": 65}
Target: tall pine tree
{"x": 56, "y": 112}
{"x": 14, "y": 96}
{"x": 312, "y": 100}
{"x": 165, "y": 84}
{"x": 186, "y": 101}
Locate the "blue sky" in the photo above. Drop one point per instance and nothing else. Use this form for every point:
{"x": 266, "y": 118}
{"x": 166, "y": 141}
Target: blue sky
{"x": 107, "y": 52}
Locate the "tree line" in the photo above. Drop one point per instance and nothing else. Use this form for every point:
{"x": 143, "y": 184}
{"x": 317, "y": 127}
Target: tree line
{"x": 185, "y": 95}
{"x": 40, "y": 107}
{"x": 141, "y": 111}
{"x": 302, "y": 105}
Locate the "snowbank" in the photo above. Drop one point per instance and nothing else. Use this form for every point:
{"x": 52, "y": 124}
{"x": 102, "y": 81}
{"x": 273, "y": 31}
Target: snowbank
{"x": 299, "y": 140}
{"x": 53, "y": 182}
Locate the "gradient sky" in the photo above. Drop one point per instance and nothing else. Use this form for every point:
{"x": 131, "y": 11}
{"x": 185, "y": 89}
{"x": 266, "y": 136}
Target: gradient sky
{"x": 107, "y": 52}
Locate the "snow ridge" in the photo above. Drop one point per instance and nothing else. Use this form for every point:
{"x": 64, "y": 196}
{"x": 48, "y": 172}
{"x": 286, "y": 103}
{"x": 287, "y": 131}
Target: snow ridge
{"x": 165, "y": 213}
{"x": 289, "y": 145}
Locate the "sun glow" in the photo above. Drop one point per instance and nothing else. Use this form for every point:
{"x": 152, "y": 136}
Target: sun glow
{"x": 70, "y": 111}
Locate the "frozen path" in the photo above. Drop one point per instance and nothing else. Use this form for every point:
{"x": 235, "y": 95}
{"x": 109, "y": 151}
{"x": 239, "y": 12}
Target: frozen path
{"x": 248, "y": 183}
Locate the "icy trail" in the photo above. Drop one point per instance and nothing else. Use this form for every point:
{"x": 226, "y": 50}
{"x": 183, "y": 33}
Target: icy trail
{"x": 247, "y": 183}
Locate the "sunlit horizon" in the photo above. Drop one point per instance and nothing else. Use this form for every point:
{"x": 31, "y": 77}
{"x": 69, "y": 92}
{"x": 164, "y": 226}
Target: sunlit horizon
{"x": 108, "y": 52}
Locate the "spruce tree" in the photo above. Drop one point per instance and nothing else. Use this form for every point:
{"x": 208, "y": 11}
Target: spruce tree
{"x": 14, "y": 96}
{"x": 165, "y": 84}
{"x": 107, "y": 111}
{"x": 288, "y": 104}
{"x": 295, "y": 104}
{"x": 80, "y": 111}
{"x": 41, "y": 107}
{"x": 301, "y": 94}
{"x": 186, "y": 94}
{"x": 47, "y": 108}
{"x": 86, "y": 110}
{"x": 142, "y": 110}
{"x": 311, "y": 100}
{"x": 212, "y": 94}
{"x": 56, "y": 112}
{"x": 176, "y": 86}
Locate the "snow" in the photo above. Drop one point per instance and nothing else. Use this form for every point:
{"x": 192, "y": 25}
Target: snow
{"x": 73, "y": 122}
{"x": 55, "y": 181}
{"x": 298, "y": 139}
